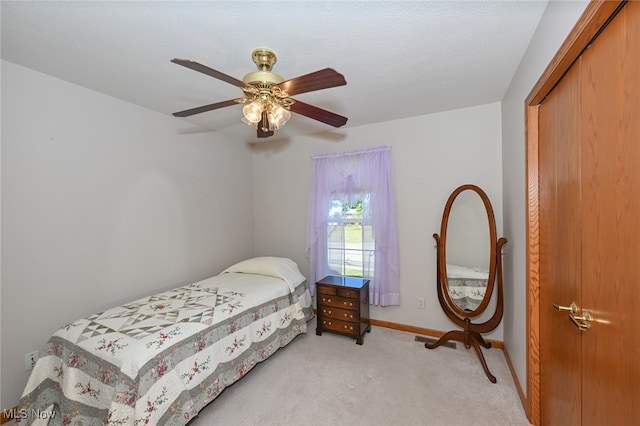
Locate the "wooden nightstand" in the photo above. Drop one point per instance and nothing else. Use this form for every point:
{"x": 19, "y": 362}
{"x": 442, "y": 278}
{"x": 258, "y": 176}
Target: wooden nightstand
{"x": 343, "y": 306}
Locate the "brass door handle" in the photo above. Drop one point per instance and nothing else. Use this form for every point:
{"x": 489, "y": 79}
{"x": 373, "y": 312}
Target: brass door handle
{"x": 573, "y": 308}
{"x": 583, "y": 322}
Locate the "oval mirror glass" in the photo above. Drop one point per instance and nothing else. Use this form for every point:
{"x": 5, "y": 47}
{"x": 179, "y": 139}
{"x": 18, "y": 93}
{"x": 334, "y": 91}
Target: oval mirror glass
{"x": 468, "y": 252}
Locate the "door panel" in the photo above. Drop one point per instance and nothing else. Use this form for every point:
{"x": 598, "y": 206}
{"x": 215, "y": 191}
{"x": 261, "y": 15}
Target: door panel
{"x": 611, "y": 220}
{"x": 560, "y": 237}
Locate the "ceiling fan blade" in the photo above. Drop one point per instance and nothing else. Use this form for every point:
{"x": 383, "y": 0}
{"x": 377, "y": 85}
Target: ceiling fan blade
{"x": 319, "y": 114}
{"x": 318, "y": 80}
{"x": 205, "y": 108}
{"x": 209, "y": 71}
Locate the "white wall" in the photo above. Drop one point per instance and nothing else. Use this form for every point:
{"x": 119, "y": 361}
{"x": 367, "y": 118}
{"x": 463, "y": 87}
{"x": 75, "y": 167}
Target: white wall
{"x": 557, "y": 21}
{"x": 104, "y": 202}
{"x": 432, "y": 154}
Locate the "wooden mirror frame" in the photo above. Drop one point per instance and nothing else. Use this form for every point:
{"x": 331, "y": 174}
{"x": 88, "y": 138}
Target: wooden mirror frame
{"x": 470, "y": 334}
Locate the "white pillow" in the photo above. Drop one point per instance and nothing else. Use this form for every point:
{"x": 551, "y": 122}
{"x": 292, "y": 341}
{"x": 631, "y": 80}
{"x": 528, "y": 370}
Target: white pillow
{"x": 278, "y": 267}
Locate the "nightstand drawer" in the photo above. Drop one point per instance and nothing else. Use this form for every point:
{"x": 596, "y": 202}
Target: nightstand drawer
{"x": 348, "y": 292}
{"x": 327, "y": 290}
{"x": 330, "y": 324}
{"x": 339, "y": 302}
{"x": 341, "y": 314}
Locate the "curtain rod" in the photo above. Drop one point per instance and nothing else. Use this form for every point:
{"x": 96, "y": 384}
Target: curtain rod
{"x": 356, "y": 152}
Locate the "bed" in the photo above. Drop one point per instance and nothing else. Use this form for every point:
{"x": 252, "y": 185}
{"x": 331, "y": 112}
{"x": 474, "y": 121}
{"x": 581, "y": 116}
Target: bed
{"x": 162, "y": 358}
{"x": 467, "y": 286}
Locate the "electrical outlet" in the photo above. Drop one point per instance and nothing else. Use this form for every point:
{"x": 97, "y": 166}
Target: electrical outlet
{"x": 30, "y": 360}
{"x": 420, "y": 302}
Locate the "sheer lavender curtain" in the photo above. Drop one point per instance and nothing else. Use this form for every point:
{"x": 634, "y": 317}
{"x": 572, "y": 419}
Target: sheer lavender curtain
{"x": 351, "y": 174}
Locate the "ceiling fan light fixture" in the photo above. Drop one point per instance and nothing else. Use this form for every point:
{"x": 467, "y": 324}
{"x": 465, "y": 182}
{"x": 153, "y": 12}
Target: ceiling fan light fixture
{"x": 278, "y": 116}
{"x": 253, "y": 112}
{"x": 268, "y": 115}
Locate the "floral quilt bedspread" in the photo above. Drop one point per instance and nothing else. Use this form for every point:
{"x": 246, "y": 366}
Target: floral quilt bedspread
{"x": 161, "y": 359}
{"x": 467, "y": 293}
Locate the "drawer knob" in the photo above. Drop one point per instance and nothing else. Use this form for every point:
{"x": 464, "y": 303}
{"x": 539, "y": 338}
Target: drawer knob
{"x": 348, "y": 316}
{"x": 348, "y": 327}
{"x": 326, "y": 322}
{"x": 326, "y": 311}
{"x": 348, "y": 303}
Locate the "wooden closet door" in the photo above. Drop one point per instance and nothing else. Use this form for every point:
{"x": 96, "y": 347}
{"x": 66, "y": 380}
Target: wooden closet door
{"x": 560, "y": 238}
{"x": 611, "y": 222}
{"x": 589, "y": 182}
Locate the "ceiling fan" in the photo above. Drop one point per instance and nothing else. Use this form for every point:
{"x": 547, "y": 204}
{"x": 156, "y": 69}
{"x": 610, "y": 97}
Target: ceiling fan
{"x": 267, "y": 101}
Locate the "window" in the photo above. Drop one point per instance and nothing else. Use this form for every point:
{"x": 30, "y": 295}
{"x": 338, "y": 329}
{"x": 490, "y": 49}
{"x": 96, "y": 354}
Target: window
{"x": 350, "y": 243}
{"x": 351, "y": 228}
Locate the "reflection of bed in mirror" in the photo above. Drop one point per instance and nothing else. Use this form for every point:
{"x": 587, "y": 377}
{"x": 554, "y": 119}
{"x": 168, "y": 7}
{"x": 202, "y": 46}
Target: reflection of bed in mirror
{"x": 467, "y": 286}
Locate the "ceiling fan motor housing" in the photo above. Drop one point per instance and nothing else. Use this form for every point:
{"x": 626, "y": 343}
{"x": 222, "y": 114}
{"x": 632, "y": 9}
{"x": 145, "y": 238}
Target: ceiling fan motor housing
{"x": 264, "y": 60}
{"x": 262, "y": 77}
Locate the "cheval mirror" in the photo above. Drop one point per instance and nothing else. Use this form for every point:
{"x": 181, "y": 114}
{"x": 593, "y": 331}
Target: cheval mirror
{"x": 469, "y": 262}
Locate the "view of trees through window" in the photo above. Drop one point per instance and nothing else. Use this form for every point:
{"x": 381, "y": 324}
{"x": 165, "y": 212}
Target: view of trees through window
{"x": 350, "y": 243}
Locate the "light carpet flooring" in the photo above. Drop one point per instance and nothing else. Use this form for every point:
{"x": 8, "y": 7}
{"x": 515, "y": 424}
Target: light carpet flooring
{"x": 390, "y": 380}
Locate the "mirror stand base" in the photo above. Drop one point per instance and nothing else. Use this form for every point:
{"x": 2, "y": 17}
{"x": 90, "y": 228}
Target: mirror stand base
{"x": 469, "y": 339}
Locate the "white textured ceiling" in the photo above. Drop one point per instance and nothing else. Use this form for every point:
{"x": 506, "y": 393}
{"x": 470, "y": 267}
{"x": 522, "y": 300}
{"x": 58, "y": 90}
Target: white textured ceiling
{"x": 400, "y": 58}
